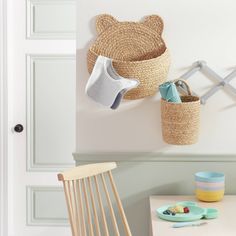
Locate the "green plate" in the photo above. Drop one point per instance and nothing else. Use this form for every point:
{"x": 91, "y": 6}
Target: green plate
{"x": 195, "y": 213}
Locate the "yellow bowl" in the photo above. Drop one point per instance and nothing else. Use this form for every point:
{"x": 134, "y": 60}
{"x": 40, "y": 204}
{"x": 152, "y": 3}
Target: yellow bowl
{"x": 210, "y": 196}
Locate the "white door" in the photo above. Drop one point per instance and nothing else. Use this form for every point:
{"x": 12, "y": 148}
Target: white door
{"x": 41, "y": 80}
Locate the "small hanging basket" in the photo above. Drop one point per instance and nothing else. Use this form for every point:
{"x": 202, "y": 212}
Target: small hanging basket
{"x": 181, "y": 121}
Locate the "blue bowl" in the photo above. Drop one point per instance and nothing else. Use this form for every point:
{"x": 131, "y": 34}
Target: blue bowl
{"x": 210, "y": 177}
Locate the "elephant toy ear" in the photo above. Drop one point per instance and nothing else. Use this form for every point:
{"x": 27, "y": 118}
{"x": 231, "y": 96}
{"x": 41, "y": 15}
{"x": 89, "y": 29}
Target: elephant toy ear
{"x": 154, "y": 22}
{"x": 104, "y": 21}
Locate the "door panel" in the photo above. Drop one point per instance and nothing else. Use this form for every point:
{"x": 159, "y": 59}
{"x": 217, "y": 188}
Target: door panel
{"x": 50, "y": 81}
{"x": 42, "y": 24}
{"x": 46, "y": 206}
{"x": 42, "y": 90}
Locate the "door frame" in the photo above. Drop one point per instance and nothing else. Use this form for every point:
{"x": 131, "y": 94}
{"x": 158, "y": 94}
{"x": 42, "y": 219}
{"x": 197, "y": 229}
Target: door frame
{"x": 3, "y": 121}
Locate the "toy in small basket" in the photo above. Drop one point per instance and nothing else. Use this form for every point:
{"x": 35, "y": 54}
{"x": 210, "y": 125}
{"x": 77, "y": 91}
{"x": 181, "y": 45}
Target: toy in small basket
{"x": 180, "y": 120}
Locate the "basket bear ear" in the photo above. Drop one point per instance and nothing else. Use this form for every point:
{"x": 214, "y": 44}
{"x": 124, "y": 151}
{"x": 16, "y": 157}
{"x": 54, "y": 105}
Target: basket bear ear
{"x": 154, "y": 22}
{"x": 104, "y": 21}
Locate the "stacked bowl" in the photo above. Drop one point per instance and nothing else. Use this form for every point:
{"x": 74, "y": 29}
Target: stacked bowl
{"x": 210, "y": 186}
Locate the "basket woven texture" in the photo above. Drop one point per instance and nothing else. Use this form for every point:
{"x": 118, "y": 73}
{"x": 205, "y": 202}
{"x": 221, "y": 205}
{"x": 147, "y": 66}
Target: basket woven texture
{"x": 137, "y": 49}
{"x": 181, "y": 121}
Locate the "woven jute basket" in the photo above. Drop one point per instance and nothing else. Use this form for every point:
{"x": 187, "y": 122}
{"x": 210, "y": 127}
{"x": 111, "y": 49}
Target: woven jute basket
{"x": 181, "y": 121}
{"x": 137, "y": 49}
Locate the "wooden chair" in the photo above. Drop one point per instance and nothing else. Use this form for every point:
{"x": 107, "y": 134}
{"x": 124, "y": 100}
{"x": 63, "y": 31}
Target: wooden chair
{"x": 86, "y": 192}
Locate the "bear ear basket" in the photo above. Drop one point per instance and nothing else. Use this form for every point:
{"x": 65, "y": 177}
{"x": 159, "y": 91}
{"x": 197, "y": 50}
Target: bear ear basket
{"x": 137, "y": 50}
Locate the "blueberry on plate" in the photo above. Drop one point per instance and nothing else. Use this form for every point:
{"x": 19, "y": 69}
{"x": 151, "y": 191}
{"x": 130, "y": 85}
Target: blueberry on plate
{"x": 166, "y": 212}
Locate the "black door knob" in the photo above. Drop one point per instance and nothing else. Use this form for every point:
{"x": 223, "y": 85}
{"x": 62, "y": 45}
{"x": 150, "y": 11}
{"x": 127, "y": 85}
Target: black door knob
{"x": 19, "y": 128}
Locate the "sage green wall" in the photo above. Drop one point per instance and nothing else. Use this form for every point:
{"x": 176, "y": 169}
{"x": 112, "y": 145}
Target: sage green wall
{"x": 137, "y": 180}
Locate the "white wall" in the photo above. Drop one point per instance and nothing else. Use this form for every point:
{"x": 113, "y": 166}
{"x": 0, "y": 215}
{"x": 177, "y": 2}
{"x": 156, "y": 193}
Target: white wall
{"x": 194, "y": 30}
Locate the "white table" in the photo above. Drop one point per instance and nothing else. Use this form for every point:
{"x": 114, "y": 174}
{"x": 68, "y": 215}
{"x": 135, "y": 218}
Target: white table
{"x": 224, "y": 225}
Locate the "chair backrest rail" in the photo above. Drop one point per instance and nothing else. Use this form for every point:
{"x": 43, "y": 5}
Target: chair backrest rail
{"x": 82, "y": 172}
{"x": 69, "y": 206}
{"x": 101, "y": 207}
{"x": 76, "y": 206}
{"x": 90, "y": 224}
{"x": 81, "y": 208}
{"x": 110, "y": 206}
{"x": 96, "y": 221}
{"x": 119, "y": 204}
